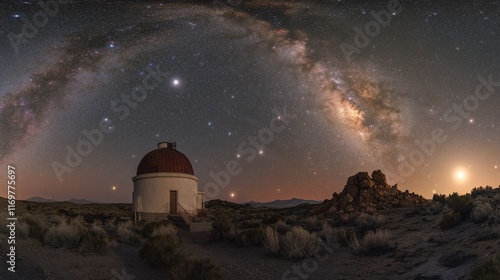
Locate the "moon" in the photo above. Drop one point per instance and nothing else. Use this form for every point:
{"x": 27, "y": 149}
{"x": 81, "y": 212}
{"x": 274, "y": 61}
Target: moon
{"x": 460, "y": 175}
{"x": 232, "y": 195}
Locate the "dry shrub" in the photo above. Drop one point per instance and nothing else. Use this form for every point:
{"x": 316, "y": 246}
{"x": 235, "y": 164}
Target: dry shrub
{"x": 63, "y": 235}
{"x": 312, "y": 222}
{"x": 38, "y": 226}
{"x": 163, "y": 251}
{"x": 299, "y": 243}
{"x": 327, "y": 233}
{"x": 127, "y": 235}
{"x": 377, "y": 241}
{"x": 272, "y": 240}
{"x": 374, "y": 242}
{"x": 56, "y": 219}
{"x": 23, "y": 229}
{"x": 164, "y": 230}
{"x": 482, "y": 209}
{"x": 489, "y": 270}
{"x": 368, "y": 222}
{"x": 281, "y": 227}
{"x": 249, "y": 237}
{"x": 79, "y": 223}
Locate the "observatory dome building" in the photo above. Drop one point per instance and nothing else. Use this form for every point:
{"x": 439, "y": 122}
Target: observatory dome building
{"x": 165, "y": 185}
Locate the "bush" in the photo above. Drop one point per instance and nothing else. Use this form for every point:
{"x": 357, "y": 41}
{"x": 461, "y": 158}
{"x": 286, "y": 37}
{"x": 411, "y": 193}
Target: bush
{"x": 191, "y": 269}
{"x": 353, "y": 242}
{"x": 271, "y": 219}
{"x": 312, "y": 222}
{"x": 281, "y": 227}
{"x": 377, "y": 241}
{"x": 482, "y": 210}
{"x": 249, "y": 237}
{"x": 162, "y": 251}
{"x": 221, "y": 226}
{"x": 272, "y": 240}
{"x": 56, "y": 219}
{"x": 37, "y": 226}
{"x": 23, "y": 229}
{"x": 439, "y": 198}
{"x": 374, "y": 242}
{"x": 481, "y": 191}
{"x": 368, "y": 222}
{"x": 490, "y": 270}
{"x": 299, "y": 243}
{"x": 127, "y": 235}
{"x": 450, "y": 220}
{"x": 326, "y": 233}
{"x": 460, "y": 204}
{"x": 79, "y": 223}
{"x": 93, "y": 242}
{"x": 149, "y": 227}
{"x": 164, "y": 230}
{"x": 63, "y": 235}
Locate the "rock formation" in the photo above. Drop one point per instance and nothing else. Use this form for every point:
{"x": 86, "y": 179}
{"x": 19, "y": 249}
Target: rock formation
{"x": 364, "y": 193}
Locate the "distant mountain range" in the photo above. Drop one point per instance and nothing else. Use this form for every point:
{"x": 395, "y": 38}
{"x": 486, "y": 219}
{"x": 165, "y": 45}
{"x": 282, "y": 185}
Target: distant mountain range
{"x": 283, "y": 203}
{"x": 272, "y": 204}
{"x": 73, "y": 200}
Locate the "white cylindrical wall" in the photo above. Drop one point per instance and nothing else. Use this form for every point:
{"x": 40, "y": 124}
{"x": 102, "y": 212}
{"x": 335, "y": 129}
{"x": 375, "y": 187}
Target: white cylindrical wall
{"x": 152, "y": 191}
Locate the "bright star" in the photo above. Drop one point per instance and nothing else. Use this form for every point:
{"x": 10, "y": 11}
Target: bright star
{"x": 176, "y": 82}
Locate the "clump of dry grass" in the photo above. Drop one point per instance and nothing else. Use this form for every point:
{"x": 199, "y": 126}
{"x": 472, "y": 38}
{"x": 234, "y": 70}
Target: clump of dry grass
{"x": 482, "y": 209}
{"x": 281, "y": 226}
{"x": 272, "y": 240}
{"x": 312, "y": 222}
{"x": 126, "y": 234}
{"x": 368, "y": 222}
{"x": 327, "y": 233}
{"x": 23, "y": 229}
{"x": 377, "y": 241}
{"x": 373, "y": 242}
{"x": 56, "y": 219}
{"x": 299, "y": 243}
{"x": 164, "y": 230}
{"x": 63, "y": 235}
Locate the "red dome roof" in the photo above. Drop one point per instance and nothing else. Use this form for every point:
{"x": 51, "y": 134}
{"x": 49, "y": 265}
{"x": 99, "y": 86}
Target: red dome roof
{"x": 165, "y": 159}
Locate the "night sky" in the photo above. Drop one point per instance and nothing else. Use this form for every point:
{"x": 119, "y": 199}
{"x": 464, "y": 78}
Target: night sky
{"x": 411, "y": 88}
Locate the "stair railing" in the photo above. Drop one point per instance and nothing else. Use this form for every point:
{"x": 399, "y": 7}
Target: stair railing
{"x": 184, "y": 214}
{"x": 162, "y": 211}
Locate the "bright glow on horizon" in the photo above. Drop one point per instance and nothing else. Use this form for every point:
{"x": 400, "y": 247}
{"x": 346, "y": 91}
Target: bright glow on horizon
{"x": 460, "y": 175}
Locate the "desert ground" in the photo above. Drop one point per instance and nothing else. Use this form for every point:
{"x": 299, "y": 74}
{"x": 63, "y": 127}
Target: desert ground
{"x": 358, "y": 234}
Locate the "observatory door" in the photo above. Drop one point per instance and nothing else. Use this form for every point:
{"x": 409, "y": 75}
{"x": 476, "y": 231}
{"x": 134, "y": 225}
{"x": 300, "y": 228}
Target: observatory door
{"x": 173, "y": 201}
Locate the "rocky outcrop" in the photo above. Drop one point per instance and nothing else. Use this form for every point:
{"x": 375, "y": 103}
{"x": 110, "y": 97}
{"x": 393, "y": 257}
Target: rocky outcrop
{"x": 365, "y": 193}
